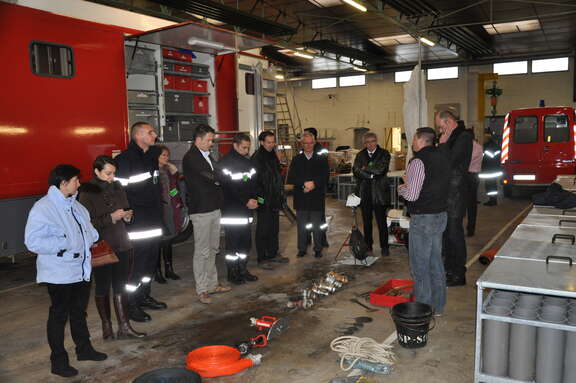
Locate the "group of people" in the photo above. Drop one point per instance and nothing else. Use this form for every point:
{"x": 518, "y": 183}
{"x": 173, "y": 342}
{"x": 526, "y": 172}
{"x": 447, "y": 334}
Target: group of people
{"x": 134, "y": 203}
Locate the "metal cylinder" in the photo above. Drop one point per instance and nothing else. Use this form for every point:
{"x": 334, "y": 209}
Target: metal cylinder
{"x": 550, "y": 347}
{"x": 522, "y": 359}
{"x": 570, "y": 352}
{"x": 495, "y": 343}
{"x": 529, "y": 300}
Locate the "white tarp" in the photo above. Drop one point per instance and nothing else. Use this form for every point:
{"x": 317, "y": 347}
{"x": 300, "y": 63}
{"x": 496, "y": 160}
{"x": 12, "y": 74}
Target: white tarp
{"x": 411, "y": 106}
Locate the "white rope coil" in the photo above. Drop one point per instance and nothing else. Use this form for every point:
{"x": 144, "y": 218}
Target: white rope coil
{"x": 352, "y": 349}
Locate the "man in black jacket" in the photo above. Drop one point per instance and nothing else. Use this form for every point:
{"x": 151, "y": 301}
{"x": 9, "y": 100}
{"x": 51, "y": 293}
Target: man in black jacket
{"x": 239, "y": 186}
{"x": 320, "y": 151}
{"x": 372, "y": 186}
{"x": 456, "y": 143}
{"x": 204, "y": 203}
{"x": 309, "y": 174}
{"x": 270, "y": 193}
{"x": 138, "y": 172}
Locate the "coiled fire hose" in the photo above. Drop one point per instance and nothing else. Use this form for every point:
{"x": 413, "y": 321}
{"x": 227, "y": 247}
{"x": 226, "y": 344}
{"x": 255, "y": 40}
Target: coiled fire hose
{"x": 352, "y": 349}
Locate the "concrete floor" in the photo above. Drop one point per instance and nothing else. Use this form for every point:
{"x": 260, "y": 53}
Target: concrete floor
{"x": 301, "y": 354}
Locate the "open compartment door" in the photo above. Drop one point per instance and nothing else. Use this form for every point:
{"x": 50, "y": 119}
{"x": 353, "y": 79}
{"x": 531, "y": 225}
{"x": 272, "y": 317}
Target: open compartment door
{"x": 200, "y": 38}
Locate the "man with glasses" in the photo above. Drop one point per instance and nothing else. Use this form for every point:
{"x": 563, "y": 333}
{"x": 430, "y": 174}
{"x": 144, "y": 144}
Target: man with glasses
{"x": 372, "y": 186}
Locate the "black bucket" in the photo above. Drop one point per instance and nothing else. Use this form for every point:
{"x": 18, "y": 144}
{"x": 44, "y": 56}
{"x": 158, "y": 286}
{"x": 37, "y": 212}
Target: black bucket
{"x": 412, "y": 321}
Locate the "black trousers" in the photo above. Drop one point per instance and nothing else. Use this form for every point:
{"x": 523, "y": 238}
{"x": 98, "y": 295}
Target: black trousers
{"x": 146, "y": 253}
{"x": 238, "y": 238}
{"x": 114, "y": 275}
{"x": 472, "y": 206}
{"x": 267, "y": 229}
{"x": 309, "y": 221}
{"x": 68, "y": 301}
{"x": 453, "y": 240}
{"x": 369, "y": 211}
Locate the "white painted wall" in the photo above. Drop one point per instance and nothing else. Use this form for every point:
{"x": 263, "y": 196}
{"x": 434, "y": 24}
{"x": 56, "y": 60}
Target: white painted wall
{"x": 378, "y": 104}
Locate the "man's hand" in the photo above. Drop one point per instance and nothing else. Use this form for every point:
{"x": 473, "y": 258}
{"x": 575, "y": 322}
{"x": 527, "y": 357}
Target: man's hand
{"x": 404, "y": 178}
{"x": 252, "y": 204}
{"x": 309, "y": 186}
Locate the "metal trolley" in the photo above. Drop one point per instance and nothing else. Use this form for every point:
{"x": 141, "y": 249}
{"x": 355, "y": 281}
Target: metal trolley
{"x": 536, "y": 259}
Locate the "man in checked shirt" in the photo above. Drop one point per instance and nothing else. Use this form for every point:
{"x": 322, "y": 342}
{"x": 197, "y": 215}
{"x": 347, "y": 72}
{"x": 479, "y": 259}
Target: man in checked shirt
{"x": 425, "y": 190}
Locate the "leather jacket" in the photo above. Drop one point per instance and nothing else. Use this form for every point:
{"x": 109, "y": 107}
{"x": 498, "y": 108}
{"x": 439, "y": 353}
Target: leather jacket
{"x": 371, "y": 176}
{"x": 269, "y": 182}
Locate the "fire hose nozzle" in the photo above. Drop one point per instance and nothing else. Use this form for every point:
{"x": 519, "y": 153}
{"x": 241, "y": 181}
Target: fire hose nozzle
{"x": 255, "y": 358}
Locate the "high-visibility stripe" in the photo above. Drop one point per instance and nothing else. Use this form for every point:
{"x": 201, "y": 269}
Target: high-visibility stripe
{"x": 492, "y": 193}
{"x": 145, "y": 234}
{"x": 136, "y": 178}
{"x": 505, "y": 139}
{"x": 131, "y": 288}
{"x": 309, "y": 226}
{"x": 324, "y": 226}
{"x": 322, "y": 152}
{"x": 240, "y": 175}
{"x": 491, "y": 154}
{"x": 241, "y": 256}
{"x": 146, "y": 279}
{"x": 231, "y": 257}
{"x": 490, "y": 175}
{"x": 235, "y": 221}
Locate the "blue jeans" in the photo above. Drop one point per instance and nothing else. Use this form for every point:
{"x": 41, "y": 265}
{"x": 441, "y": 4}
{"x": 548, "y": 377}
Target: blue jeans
{"x": 426, "y": 259}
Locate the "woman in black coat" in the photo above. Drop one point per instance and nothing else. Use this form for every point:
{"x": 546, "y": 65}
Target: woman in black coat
{"x": 109, "y": 210}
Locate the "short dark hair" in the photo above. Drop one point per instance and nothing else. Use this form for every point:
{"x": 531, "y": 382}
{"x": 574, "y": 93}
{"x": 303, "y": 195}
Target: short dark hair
{"x": 427, "y": 134}
{"x": 446, "y": 114}
{"x": 313, "y": 132}
{"x": 202, "y": 130}
{"x": 262, "y": 136}
{"x": 62, "y": 173}
{"x": 136, "y": 126}
{"x": 163, "y": 148}
{"x": 239, "y": 137}
{"x": 102, "y": 160}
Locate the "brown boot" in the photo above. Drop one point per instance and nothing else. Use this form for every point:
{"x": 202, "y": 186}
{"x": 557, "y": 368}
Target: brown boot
{"x": 103, "y": 306}
{"x": 125, "y": 330}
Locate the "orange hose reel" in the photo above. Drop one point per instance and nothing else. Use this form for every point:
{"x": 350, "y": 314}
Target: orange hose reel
{"x": 214, "y": 361}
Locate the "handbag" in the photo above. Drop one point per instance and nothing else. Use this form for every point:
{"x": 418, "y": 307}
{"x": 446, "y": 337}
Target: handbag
{"x": 102, "y": 254}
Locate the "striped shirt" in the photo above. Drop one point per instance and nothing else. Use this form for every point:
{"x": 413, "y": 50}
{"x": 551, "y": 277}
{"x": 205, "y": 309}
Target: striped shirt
{"x": 414, "y": 180}
{"x": 476, "y": 160}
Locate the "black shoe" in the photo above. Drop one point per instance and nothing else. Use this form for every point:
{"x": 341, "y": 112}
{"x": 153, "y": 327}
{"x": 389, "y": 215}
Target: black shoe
{"x": 279, "y": 259}
{"x": 170, "y": 274}
{"x": 385, "y": 251}
{"x": 65, "y": 371}
{"x": 150, "y": 303}
{"x": 249, "y": 277}
{"x": 455, "y": 280}
{"x": 491, "y": 203}
{"x": 265, "y": 265}
{"x": 91, "y": 354}
{"x": 136, "y": 314}
{"x": 318, "y": 254}
{"x": 470, "y": 233}
{"x": 301, "y": 254}
{"x": 158, "y": 277}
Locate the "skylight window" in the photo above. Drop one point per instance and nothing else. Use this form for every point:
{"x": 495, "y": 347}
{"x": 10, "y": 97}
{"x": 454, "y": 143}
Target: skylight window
{"x": 403, "y": 76}
{"x": 550, "y": 65}
{"x": 353, "y": 80}
{"x": 515, "y": 26}
{"x": 516, "y": 67}
{"x": 387, "y": 41}
{"x": 323, "y": 83}
{"x": 443, "y": 73}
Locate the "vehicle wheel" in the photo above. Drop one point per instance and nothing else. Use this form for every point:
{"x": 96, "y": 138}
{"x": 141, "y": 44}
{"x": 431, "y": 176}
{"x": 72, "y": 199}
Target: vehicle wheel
{"x": 509, "y": 191}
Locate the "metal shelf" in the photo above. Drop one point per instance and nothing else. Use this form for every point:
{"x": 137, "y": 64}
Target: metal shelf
{"x": 187, "y": 114}
{"x": 195, "y": 75}
{"x": 186, "y": 91}
{"x": 484, "y": 378}
{"x": 535, "y": 323}
{"x": 178, "y": 62}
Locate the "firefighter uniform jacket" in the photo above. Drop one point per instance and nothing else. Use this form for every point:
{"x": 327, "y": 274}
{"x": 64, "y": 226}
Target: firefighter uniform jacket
{"x": 138, "y": 173}
{"x": 238, "y": 179}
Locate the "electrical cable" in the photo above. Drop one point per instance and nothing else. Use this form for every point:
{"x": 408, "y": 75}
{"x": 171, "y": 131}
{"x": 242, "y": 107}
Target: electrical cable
{"x": 352, "y": 349}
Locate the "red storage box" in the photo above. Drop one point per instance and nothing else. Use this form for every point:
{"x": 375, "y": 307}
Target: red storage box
{"x": 169, "y": 81}
{"x": 185, "y": 56}
{"x": 182, "y": 68}
{"x": 182, "y": 83}
{"x": 199, "y": 86}
{"x": 170, "y": 53}
{"x": 382, "y": 295}
{"x": 201, "y": 104}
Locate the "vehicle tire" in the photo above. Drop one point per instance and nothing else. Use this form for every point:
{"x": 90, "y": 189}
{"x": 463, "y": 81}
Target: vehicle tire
{"x": 509, "y": 191}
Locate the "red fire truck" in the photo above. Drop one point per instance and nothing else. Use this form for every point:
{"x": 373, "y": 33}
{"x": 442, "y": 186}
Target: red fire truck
{"x": 76, "y": 74}
{"x": 538, "y": 144}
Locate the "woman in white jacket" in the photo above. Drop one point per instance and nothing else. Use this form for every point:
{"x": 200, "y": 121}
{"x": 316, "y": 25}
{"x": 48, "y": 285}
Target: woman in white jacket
{"x": 59, "y": 231}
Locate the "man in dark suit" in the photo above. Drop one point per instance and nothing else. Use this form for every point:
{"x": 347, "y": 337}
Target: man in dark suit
{"x": 372, "y": 186}
{"x": 309, "y": 174}
{"x": 204, "y": 203}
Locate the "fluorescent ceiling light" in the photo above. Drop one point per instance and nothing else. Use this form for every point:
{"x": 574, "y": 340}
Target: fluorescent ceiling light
{"x": 387, "y": 41}
{"x": 428, "y": 42}
{"x": 303, "y": 55}
{"x": 515, "y": 26}
{"x": 279, "y": 77}
{"x": 325, "y": 3}
{"x": 359, "y": 69}
{"x": 356, "y": 5}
